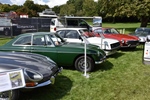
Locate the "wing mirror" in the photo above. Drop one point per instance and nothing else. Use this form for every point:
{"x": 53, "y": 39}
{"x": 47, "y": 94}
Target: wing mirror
{"x": 80, "y": 38}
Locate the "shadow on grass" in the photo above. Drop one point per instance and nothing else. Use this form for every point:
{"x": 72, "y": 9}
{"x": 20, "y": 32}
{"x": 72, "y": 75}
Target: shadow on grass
{"x": 138, "y": 48}
{"x": 108, "y": 65}
{"x": 104, "y": 66}
{"x": 116, "y": 55}
{"x": 56, "y": 91}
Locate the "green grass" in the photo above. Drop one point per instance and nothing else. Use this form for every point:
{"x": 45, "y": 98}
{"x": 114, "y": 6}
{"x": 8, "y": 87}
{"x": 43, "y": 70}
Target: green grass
{"x": 122, "y": 76}
{"x": 128, "y": 27}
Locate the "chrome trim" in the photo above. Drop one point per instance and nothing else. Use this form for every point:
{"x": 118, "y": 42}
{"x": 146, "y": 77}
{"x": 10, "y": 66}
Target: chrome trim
{"x": 110, "y": 52}
{"x": 99, "y": 62}
{"x": 52, "y": 79}
{"x": 40, "y": 85}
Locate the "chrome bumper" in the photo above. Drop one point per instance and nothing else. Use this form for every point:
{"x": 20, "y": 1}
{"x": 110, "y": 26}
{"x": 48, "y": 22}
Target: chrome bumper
{"x": 101, "y": 61}
{"x": 51, "y": 81}
{"x": 40, "y": 85}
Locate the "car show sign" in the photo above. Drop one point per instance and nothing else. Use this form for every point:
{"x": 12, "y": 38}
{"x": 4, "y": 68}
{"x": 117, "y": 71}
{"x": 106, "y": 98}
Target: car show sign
{"x": 10, "y": 80}
{"x": 146, "y": 55}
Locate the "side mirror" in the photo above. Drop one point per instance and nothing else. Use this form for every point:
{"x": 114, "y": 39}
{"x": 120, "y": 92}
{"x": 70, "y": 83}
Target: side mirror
{"x": 80, "y": 38}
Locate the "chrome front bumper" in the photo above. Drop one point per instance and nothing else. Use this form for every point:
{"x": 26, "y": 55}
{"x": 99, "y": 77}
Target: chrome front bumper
{"x": 101, "y": 61}
{"x": 51, "y": 81}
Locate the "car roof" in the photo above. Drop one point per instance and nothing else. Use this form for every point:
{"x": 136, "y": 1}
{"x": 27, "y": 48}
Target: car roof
{"x": 71, "y": 28}
{"x": 142, "y": 28}
{"x": 37, "y": 33}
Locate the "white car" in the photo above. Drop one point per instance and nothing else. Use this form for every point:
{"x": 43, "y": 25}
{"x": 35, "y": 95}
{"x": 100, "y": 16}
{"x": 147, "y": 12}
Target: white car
{"x": 110, "y": 46}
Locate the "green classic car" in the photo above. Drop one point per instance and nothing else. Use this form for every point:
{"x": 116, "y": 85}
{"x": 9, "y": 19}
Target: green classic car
{"x": 55, "y": 47}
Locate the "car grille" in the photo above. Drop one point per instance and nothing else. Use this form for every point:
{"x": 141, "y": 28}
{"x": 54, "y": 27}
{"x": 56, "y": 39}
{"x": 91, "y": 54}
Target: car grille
{"x": 132, "y": 42}
{"x": 115, "y": 45}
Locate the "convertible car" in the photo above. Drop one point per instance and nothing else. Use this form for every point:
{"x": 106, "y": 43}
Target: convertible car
{"x": 126, "y": 41}
{"x": 110, "y": 46}
{"x": 38, "y": 71}
{"x": 53, "y": 46}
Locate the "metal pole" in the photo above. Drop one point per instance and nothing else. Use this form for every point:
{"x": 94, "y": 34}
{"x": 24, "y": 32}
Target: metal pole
{"x": 85, "y": 74}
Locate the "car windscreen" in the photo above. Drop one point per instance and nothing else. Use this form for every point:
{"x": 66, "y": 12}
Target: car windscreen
{"x": 110, "y": 31}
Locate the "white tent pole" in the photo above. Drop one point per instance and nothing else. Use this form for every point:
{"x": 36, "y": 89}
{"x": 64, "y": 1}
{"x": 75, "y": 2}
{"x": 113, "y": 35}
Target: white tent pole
{"x": 85, "y": 59}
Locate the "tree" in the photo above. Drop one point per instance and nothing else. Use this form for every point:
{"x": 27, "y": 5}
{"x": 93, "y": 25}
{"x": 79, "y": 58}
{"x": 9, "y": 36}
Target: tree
{"x": 89, "y": 8}
{"x": 56, "y": 9}
{"x": 67, "y": 9}
{"x": 4, "y": 7}
{"x": 126, "y": 8}
{"x": 23, "y": 10}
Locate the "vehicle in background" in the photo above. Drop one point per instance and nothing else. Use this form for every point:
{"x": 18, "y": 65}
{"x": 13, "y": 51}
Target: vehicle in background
{"x": 74, "y": 22}
{"x": 5, "y": 26}
{"x": 142, "y": 33}
{"x": 16, "y": 26}
{"x": 110, "y": 46}
{"x": 55, "y": 47}
{"x": 38, "y": 71}
{"x": 126, "y": 41}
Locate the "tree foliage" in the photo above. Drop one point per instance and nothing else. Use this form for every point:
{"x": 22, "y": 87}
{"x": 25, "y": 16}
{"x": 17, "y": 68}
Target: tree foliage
{"x": 125, "y": 8}
{"x": 89, "y": 8}
{"x": 70, "y": 9}
{"x": 110, "y": 9}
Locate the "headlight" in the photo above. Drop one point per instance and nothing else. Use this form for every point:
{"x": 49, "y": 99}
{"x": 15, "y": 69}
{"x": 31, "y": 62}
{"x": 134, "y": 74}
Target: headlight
{"x": 122, "y": 41}
{"x": 33, "y": 75}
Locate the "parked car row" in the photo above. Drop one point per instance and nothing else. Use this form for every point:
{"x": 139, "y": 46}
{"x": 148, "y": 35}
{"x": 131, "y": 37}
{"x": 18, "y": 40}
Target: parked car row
{"x": 41, "y": 55}
{"x": 55, "y": 47}
{"x": 110, "y": 46}
{"x": 126, "y": 41}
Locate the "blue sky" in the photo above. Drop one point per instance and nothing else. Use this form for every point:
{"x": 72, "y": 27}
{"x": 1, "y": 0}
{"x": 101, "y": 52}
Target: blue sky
{"x": 50, "y": 3}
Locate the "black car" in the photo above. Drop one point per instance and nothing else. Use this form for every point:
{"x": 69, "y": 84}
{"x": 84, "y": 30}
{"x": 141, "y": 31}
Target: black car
{"x": 38, "y": 71}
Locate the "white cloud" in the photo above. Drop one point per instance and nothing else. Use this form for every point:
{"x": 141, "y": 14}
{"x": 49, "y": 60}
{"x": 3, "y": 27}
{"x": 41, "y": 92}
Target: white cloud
{"x": 18, "y": 2}
{"x": 56, "y": 2}
{"x": 50, "y": 3}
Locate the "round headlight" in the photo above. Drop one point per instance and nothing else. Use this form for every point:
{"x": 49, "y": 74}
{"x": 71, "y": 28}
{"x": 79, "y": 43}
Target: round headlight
{"x": 33, "y": 75}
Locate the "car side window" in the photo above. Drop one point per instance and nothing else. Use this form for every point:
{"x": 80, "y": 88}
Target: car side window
{"x": 72, "y": 34}
{"x": 98, "y": 31}
{"x": 61, "y": 33}
{"x": 107, "y": 31}
{"x": 39, "y": 40}
{"x": 25, "y": 40}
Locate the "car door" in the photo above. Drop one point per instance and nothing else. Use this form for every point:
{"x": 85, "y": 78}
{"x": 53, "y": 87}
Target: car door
{"x": 41, "y": 44}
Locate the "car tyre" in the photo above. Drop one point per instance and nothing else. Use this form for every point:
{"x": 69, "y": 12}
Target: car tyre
{"x": 79, "y": 64}
{"x": 9, "y": 95}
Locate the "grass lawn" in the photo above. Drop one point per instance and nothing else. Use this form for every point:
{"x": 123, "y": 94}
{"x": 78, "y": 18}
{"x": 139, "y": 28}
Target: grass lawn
{"x": 122, "y": 76}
